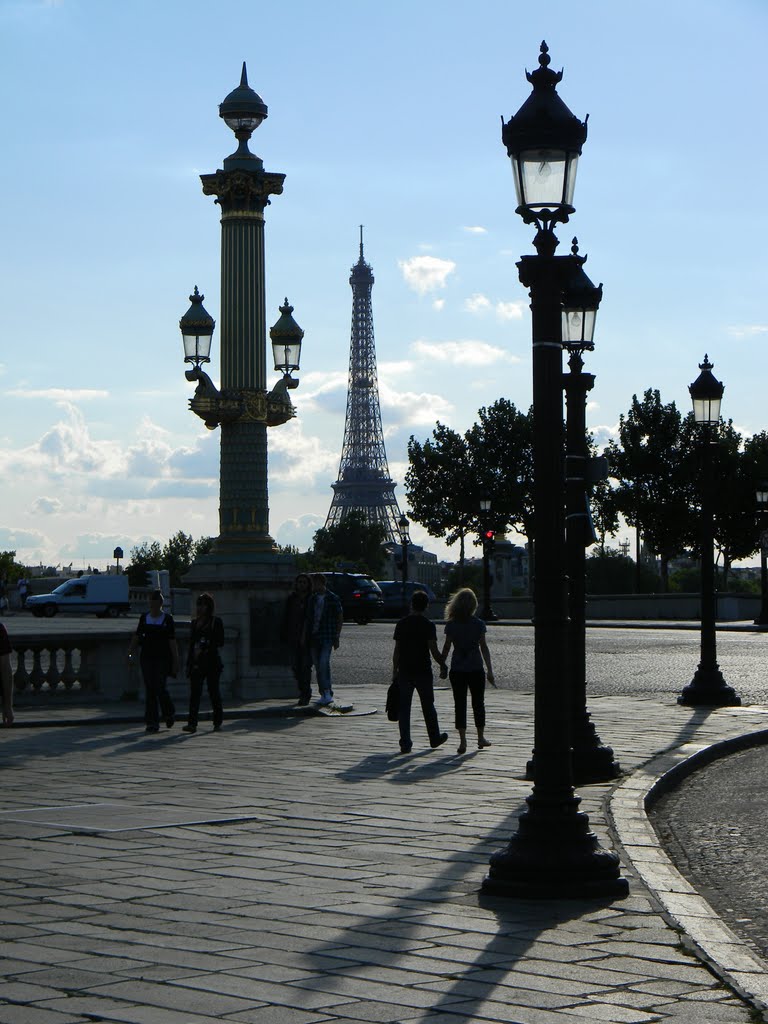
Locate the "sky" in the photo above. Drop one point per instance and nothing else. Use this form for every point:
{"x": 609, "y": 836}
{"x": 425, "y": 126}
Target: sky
{"x": 386, "y": 115}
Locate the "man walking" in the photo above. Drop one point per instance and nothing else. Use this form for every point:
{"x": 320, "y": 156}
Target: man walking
{"x": 415, "y": 641}
{"x": 324, "y": 623}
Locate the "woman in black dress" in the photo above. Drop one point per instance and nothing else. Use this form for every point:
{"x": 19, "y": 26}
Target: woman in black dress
{"x": 156, "y": 636}
{"x": 465, "y": 632}
{"x": 204, "y": 662}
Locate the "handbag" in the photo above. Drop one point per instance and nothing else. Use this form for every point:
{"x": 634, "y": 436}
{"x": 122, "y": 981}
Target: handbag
{"x": 393, "y": 702}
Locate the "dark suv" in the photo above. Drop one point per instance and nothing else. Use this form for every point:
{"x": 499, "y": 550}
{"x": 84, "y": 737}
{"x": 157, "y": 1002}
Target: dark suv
{"x": 359, "y": 595}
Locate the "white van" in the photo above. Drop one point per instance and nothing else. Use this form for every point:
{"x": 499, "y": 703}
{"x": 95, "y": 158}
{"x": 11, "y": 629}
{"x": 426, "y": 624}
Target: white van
{"x": 89, "y": 595}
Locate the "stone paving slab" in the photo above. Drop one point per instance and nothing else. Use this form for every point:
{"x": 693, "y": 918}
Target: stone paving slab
{"x": 314, "y": 876}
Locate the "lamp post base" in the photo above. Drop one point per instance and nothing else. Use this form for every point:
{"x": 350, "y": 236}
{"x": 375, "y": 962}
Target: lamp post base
{"x": 708, "y": 688}
{"x": 554, "y": 855}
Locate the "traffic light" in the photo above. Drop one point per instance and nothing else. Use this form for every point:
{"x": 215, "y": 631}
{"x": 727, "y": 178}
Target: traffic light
{"x": 489, "y": 541}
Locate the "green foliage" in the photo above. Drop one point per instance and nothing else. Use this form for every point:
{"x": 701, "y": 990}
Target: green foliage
{"x": 467, "y": 576}
{"x": 449, "y": 474}
{"x": 10, "y": 569}
{"x": 176, "y": 555}
{"x": 144, "y": 557}
{"x": 354, "y": 540}
{"x": 652, "y": 466}
{"x": 610, "y": 572}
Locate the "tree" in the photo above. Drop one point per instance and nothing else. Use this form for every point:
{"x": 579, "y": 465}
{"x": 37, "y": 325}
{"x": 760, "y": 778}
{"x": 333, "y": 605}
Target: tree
{"x": 652, "y": 466}
{"x": 354, "y": 540}
{"x": 145, "y": 556}
{"x": 441, "y": 488}
{"x": 10, "y": 569}
{"x": 178, "y": 555}
{"x": 500, "y": 448}
{"x": 608, "y": 571}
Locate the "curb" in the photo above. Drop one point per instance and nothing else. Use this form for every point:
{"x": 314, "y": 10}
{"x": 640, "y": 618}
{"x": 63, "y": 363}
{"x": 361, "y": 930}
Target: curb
{"x": 727, "y": 955}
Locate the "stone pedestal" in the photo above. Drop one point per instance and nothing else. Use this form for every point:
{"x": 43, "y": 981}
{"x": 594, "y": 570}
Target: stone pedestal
{"x": 250, "y": 590}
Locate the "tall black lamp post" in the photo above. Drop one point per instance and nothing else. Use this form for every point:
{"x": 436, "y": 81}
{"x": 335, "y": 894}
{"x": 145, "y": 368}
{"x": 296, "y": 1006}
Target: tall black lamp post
{"x": 592, "y": 760}
{"x": 554, "y": 853}
{"x": 708, "y": 687}
{"x": 488, "y": 540}
{"x": 405, "y": 540}
{"x": 761, "y": 496}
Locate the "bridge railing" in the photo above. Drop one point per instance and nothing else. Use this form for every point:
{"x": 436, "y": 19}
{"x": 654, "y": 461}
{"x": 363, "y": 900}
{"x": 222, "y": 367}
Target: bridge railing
{"x": 81, "y": 668}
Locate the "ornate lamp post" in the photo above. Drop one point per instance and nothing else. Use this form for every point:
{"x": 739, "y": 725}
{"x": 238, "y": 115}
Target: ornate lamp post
{"x": 592, "y": 760}
{"x": 554, "y": 853}
{"x": 708, "y": 687}
{"x": 244, "y": 570}
{"x": 405, "y": 540}
{"x": 761, "y": 496}
{"x": 488, "y": 539}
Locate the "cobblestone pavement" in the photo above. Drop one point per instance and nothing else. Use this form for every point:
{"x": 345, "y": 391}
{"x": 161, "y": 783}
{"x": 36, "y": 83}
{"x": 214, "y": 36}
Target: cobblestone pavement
{"x": 713, "y": 826}
{"x": 296, "y": 870}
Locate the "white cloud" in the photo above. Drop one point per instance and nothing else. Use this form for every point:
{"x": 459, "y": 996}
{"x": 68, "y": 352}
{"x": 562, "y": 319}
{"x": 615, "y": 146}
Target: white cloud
{"x": 300, "y": 532}
{"x": 409, "y": 408}
{"x": 438, "y": 304}
{"x": 46, "y": 506}
{"x": 510, "y": 310}
{"x": 298, "y": 460}
{"x": 476, "y": 230}
{"x": 426, "y": 273}
{"x": 748, "y": 330}
{"x": 395, "y": 369}
{"x": 59, "y": 394}
{"x": 21, "y": 540}
{"x": 477, "y": 303}
{"x": 463, "y": 353}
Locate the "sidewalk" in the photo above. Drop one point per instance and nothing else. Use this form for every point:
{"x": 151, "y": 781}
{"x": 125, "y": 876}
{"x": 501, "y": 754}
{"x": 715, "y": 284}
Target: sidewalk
{"x": 297, "y": 870}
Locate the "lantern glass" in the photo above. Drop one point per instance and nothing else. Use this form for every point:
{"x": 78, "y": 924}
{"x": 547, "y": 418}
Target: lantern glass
{"x": 243, "y": 122}
{"x": 762, "y": 494}
{"x": 544, "y": 179}
{"x": 197, "y": 348}
{"x": 578, "y": 326}
{"x": 706, "y": 410}
{"x": 286, "y": 355}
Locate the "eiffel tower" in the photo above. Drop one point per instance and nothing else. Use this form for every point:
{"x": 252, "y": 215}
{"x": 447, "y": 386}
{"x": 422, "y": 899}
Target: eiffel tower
{"x": 364, "y": 483}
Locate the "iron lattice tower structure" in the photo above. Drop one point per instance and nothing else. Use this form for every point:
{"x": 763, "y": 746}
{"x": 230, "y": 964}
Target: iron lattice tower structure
{"x": 364, "y": 483}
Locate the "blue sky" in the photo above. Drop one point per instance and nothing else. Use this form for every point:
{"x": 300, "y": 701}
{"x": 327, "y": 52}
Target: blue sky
{"x": 385, "y": 115}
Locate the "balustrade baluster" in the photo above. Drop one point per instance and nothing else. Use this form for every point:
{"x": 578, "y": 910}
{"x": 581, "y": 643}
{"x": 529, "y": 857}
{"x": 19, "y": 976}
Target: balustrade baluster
{"x": 37, "y": 676}
{"x": 87, "y": 673}
{"x": 21, "y": 676}
{"x": 52, "y": 676}
{"x": 68, "y": 674}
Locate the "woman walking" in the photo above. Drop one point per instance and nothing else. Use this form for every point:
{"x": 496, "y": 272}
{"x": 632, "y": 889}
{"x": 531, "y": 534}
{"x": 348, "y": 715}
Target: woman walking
{"x": 204, "y": 662}
{"x": 465, "y": 632}
{"x": 156, "y": 635}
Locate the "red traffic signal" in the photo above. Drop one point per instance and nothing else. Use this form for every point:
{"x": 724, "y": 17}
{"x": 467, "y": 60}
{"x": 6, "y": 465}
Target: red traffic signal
{"x": 489, "y": 535}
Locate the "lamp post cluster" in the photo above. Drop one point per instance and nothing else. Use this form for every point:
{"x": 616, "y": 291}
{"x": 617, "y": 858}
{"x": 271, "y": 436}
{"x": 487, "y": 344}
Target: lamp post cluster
{"x": 761, "y": 497}
{"x": 708, "y": 687}
{"x": 243, "y": 407}
{"x": 554, "y": 852}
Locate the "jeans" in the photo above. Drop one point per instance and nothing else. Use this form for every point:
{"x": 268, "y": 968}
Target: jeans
{"x": 301, "y": 664}
{"x": 155, "y": 674}
{"x": 321, "y": 659}
{"x": 211, "y": 677}
{"x": 423, "y": 686}
{"x": 475, "y": 683}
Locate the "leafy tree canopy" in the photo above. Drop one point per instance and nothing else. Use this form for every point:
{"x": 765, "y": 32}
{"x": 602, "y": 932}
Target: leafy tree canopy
{"x": 353, "y": 540}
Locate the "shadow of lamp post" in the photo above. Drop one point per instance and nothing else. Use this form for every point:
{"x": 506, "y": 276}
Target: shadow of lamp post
{"x": 554, "y": 853}
{"x": 708, "y": 687}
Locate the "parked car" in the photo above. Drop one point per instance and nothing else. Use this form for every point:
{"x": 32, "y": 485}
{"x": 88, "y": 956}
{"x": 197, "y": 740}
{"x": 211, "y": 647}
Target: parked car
{"x": 359, "y": 595}
{"x": 392, "y": 591}
{"x": 95, "y": 595}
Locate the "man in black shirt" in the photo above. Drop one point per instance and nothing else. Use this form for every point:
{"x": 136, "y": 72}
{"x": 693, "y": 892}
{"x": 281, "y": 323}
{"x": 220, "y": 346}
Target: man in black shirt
{"x": 415, "y": 641}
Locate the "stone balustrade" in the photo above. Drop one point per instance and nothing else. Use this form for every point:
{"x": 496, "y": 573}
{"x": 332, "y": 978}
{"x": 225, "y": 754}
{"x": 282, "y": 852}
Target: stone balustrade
{"x": 55, "y": 668}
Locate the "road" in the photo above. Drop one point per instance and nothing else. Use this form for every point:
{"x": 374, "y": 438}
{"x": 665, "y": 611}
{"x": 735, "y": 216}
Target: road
{"x": 637, "y": 661}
